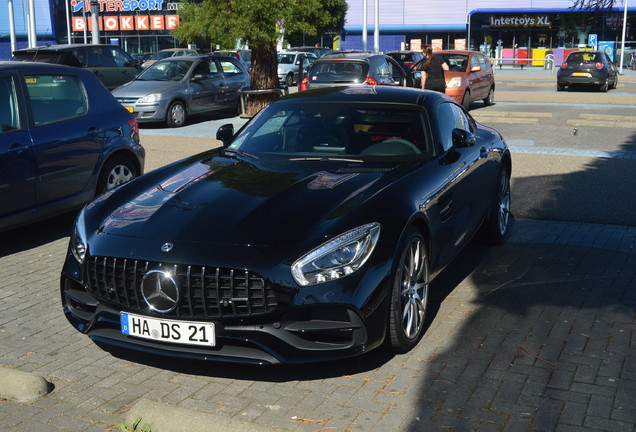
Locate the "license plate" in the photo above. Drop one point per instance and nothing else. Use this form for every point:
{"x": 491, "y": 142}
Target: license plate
{"x": 581, "y": 74}
{"x": 130, "y": 109}
{"x": 169, "y": 331}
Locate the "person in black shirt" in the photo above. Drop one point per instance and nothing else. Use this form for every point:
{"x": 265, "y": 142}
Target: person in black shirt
{"x": 433, "y": 72}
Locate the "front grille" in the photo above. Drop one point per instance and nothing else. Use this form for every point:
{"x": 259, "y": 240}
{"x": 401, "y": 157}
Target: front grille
{"x": 126, "y": 100}
{"x": 205, "y": 292}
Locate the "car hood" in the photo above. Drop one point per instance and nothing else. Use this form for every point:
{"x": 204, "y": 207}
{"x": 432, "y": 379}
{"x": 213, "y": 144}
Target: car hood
{"x": 138, "y": 88}
{"x": 243, "y": 201}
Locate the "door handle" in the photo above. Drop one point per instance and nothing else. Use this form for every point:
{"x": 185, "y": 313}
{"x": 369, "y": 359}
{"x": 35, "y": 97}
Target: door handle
{"x": 16, "y": 147}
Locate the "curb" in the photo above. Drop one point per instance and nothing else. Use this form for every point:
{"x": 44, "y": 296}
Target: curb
{"x": 168, "y": 418}
{"x": 21, "y": 386}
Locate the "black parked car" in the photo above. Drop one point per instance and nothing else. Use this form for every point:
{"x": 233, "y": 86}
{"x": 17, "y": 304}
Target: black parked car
{"x": 111, "y": 64}
{"x": 63, "y": 139}
{"x": 354, "y": 69}
{"x": 312, "y": 234}
{"x": 587, "y": 68}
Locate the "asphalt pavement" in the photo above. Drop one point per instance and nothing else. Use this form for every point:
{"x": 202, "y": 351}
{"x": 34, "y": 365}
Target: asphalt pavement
{"x": 537, "y": 334}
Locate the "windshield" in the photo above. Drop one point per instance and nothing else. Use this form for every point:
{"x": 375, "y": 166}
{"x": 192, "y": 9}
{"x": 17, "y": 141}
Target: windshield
{"x": 286, "y": 58}
{"x": 166, "y": 71}
{"x": 160, "y": 55}
{"x": 456, "y": 62}
{"x": 352, "y": 131}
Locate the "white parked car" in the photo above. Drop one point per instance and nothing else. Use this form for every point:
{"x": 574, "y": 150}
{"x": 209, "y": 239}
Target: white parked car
{"x": 288, "y": 63}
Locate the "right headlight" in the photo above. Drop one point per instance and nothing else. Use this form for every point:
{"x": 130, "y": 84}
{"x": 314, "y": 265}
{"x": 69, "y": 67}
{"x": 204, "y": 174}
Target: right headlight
{"x": 338, "y": 257}
{"x": 454, "y": 82}
{"x": 150, "y": 98}
{"x": 79, "y": 245}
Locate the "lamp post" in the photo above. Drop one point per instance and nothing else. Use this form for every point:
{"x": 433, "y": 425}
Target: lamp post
{"x": 364, "y": 25}
{"x": 94, "y": 18}
{"x": 623, "y": 37}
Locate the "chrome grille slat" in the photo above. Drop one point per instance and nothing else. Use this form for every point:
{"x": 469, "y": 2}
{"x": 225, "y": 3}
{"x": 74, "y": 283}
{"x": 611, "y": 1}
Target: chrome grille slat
{"x": 206, "y": 292}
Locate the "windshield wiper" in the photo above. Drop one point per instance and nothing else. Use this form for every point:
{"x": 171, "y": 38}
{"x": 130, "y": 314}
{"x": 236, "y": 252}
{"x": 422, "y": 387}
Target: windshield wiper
{"x": 327, "y": 158}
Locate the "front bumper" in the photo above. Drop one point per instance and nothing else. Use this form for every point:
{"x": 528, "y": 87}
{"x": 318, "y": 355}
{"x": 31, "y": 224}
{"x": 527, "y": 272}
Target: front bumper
{"x": 308, "y": 334}
{"x": 147, "y": 113}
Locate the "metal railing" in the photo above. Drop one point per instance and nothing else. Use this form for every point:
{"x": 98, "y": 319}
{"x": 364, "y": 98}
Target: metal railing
{"x": 245, "y": 94}
{"x": 548, "y": 62}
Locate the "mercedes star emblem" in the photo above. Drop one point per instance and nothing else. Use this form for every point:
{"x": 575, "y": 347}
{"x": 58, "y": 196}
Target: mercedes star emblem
{"x": 160, "y": 291}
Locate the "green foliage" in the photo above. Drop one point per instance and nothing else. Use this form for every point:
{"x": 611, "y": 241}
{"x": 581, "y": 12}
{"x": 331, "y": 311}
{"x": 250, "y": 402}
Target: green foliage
{"x": 134, "y": 428}
{"x": 255, "y": 21}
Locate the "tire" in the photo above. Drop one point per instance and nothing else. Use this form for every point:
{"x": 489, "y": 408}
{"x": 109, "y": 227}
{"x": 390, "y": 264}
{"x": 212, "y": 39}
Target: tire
{"x": 466, "y": 100}
{"x": 289, "y": 80}
{"x": 615, "y": 82}
{"x": 560, "y": 87}
{"x": 490, "y": 98}
{"x": 116, "y": 171}
{"x": 409, "y": 295}
{"x": 604, "y": 87}
{"x": 176, "y": 115}
{"x": 497, "y": 227}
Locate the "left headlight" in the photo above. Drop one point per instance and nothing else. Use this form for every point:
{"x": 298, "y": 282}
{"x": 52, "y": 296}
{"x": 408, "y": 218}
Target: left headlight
{"x": 150, "y": 98}
{"x": 338, "y": 257}
{"x": 79, "y": 246}
{"x": 454, "y": 82}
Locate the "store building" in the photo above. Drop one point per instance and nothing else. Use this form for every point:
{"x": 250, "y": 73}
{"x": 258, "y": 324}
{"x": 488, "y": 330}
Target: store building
{"x": 487, "y": 25}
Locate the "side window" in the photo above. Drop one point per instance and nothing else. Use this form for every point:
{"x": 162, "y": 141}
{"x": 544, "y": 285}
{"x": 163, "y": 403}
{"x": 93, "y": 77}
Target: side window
{"x": 214, "y": 69}
{"x": 474, "y": 61}
{"x": 383, "y": 69}
{"x": 120, "y": 57}
{"x": 446, "y": 121}
{"x": 461, "y": 121}
{"x": 55, "y": 97}
{"x": 230, "y": 68}
{"x": 484, "y": 62}
{"x": 9, "y": 120}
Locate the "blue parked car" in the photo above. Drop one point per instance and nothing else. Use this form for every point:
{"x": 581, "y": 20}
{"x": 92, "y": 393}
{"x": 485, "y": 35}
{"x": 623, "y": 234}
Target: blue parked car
{"x": 63, "y": 140}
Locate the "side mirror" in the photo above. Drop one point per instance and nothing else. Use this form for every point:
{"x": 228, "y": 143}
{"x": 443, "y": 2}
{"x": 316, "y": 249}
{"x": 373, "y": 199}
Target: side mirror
{"x": 225, "y": 134}
{"x": 475, "y": 68}
{"x": 462, "y": 138}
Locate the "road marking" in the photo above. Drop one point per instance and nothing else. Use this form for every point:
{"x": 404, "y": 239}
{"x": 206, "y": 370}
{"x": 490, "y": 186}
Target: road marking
{"x": 561, "y": 151}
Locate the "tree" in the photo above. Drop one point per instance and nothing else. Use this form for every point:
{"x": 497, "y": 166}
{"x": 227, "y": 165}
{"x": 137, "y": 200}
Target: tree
{"x": 593, "y": 5}
{"x": 257, "y": 23}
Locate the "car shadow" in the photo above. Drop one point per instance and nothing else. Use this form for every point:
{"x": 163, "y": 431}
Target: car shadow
{"x": 191, "y": 120}
{"x": 37, "y": 234}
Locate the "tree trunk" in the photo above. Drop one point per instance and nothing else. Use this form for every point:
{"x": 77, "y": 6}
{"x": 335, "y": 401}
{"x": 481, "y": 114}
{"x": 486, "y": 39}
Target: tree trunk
{"x": 264, "y": 77}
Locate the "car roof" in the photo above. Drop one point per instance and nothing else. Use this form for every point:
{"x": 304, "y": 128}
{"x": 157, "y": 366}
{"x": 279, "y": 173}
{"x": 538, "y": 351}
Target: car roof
{"x": 351, "y": 56}
{"x": 370, "y": 94}
{"x": 8, "y": 65}
{"x": 65, "y": 47}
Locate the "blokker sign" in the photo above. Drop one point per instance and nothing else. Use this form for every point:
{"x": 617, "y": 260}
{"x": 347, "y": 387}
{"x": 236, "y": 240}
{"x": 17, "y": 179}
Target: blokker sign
{"x": 524, "y": 21}
{"x": 128, "y": 23}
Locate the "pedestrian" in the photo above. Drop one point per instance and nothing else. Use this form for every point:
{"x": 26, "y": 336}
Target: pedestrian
{"x": 433, "y": 70}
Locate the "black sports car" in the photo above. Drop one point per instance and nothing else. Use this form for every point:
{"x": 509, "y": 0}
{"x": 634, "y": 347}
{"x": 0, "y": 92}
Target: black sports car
{"x": 312, "y": 234}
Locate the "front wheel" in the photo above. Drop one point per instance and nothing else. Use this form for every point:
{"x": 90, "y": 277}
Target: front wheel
{"x": 615, "y": 82}
{"x": 289, "y": 80}
{"x": 490, "y": 98}
{"x": 116, "y": 171}
{"x": 409, "y": 295}
{"x": 466, "y": 100}
{"x": 497, "y": 226}
{"x": 176, "y": 115}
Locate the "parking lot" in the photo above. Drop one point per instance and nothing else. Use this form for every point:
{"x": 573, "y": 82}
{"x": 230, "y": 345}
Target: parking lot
{"x": 537, "y": 334}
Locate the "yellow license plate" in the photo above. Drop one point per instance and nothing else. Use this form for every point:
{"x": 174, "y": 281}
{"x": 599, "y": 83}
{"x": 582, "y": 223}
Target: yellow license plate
{"x": 130, "y": 109}
{"x": 581, "y": 74}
